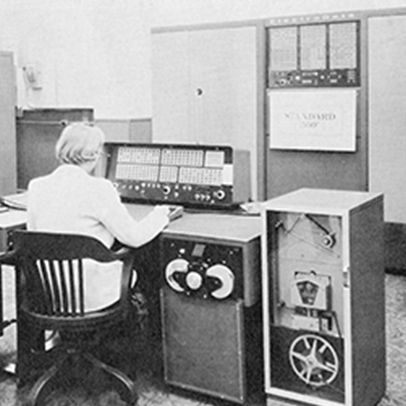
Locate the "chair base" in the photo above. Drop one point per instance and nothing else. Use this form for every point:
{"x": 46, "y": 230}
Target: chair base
{"x": 63, "y": 368}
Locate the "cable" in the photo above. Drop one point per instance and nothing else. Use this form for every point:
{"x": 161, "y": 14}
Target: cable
{"x": 314, "y": 221}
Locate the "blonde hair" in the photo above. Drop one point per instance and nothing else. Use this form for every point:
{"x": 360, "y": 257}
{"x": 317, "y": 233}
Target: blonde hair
{"x": 79, "y": 143}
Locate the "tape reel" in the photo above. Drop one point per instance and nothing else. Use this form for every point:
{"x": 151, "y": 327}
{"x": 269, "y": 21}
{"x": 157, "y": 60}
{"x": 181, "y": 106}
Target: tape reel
{"x": 226, "y": 280}
{"x": 176, "y": 266}
{"x": 314, "y": 360}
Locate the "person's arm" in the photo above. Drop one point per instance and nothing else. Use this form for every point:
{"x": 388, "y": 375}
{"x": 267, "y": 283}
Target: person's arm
{"x": 124, "y": 228}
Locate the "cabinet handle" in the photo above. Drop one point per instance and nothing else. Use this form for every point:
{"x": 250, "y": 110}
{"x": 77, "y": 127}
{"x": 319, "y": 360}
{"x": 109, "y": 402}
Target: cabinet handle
{"x": 346, "y": 277}
{"x": 199, "y": 91}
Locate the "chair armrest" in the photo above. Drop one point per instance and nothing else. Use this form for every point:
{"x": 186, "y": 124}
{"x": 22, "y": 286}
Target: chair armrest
{"x": 127, "y": 256}
{"x": 123, "y": 253}
{"x": 8, "y": 258}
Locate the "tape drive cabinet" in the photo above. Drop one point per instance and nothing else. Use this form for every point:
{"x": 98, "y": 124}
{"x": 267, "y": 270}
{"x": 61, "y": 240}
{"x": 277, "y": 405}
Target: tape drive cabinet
{"x": 210, "y": 305}
{"x": 323, "y": 297}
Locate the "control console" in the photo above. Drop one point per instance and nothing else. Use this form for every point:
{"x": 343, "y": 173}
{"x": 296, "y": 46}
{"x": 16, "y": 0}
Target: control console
{"x": 191, "y": 175}
{"x": 314, "y": 55}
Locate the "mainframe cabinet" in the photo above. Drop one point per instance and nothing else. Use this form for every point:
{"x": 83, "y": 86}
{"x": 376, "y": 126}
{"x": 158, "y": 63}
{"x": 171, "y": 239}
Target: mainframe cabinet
{"x": 205, "y": 88}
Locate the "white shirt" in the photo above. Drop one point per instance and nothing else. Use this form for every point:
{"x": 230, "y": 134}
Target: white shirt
{"x": 69, "y": 200}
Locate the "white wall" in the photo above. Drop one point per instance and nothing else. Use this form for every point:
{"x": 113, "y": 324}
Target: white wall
{"x": 181, "y": 12}
{"x": 96, "y": 53}
{"x": 91, "y": 53}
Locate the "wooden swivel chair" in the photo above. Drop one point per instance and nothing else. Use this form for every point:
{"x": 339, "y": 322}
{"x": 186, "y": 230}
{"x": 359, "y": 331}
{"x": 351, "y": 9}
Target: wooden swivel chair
{"x": 50, "y": 296}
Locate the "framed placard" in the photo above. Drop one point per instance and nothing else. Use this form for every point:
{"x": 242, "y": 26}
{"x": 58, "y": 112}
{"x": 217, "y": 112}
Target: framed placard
{"x": 318, "y": 120}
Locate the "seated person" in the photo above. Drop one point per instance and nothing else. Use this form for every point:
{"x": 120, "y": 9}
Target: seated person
{"x": 71, "y": 200}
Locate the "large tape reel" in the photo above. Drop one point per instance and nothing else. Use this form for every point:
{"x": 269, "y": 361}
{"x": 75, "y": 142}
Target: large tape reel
{"x": 226, "y": 280}
{"x": 176, "y": 266}
{"x": 314, "y": 360}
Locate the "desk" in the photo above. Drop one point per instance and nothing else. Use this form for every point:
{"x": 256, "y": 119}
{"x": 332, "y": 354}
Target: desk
{"x": 224, "y": 225}
{"x": 10, "y": 220}
{"x": 210, "y": 225}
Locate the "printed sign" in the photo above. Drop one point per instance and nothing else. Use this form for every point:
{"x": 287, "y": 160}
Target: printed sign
{"x": 320, "y": 120}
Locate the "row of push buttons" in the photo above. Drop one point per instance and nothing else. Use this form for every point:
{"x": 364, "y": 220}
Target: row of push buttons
{"x": 202, "y": 197}
{"x": 167, "y": 189}
{"x": 315, "y": 77}
{"x": 187, "y": 188}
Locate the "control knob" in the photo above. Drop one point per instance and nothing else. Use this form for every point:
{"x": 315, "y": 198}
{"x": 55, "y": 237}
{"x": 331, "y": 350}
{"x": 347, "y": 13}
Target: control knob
{"x": 194, "y": 280}
{"x": 219, "y": 194}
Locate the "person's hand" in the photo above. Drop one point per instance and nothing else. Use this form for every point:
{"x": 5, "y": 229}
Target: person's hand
{"x": 173, "y": 213}
{"x": 162, "y": 210}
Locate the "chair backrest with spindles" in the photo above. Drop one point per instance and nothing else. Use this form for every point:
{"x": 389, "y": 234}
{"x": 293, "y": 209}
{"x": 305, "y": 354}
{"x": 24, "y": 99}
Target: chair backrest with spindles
{"x": 53, "y": 267}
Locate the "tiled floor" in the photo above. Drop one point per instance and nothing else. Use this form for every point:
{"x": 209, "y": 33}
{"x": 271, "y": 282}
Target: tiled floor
{"x": 153, "y": 393}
